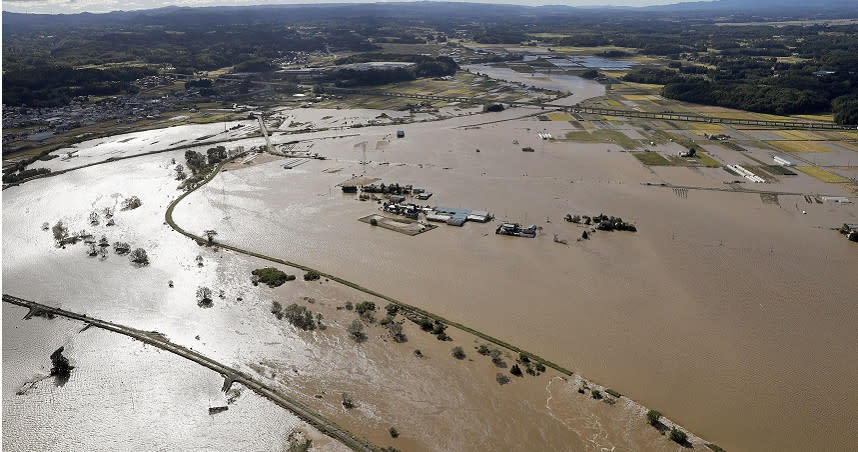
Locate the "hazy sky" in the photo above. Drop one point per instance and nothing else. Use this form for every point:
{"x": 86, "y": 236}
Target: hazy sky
{"x": 76, "y": 6}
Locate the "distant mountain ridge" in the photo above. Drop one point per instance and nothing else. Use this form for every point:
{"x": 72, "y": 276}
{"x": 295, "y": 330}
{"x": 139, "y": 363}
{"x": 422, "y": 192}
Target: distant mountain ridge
{"x": 774, "y": 9}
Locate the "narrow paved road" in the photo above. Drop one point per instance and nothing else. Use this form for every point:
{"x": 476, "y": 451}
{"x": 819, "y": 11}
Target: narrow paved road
{"x": 230, "y": 375}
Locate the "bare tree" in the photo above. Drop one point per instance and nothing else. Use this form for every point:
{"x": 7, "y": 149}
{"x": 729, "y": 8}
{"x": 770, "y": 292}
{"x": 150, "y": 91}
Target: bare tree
{"x": 210, "y": 233}
{"x": 46, "y": 226}
{"x": 93, "y": 218}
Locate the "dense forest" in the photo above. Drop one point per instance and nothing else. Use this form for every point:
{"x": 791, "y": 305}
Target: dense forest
{"x": 783, "y": 69}
{"x": 424, "y": 66}
{"x": 42, "y": 71}
{"x": 779, "y": 70}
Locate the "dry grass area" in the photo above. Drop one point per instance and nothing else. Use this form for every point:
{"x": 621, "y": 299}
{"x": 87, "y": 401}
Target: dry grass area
{"x": 822, "y": 174}
{"x": 652, "y": 159}
{"x": 604, "y": 136}
{"x": 560, "y": 116}
{"x": 799, "y": 146}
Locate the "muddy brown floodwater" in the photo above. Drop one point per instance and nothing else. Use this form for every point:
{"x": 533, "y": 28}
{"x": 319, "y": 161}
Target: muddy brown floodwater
{"x": 736, "y": 318}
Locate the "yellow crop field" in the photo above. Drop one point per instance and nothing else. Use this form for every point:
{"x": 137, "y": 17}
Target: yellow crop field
{"x": 800, "y": 146}
{"x": 559, "y": 116}
{"x": 708, "y": 127}
{"x": 828, "y": 117}
{"x": 613, "y": 103}
{"x": 734, "y": 115}
{"x": 822, "y": 174}
{"x": 807, "y": 135}
{"x": 638, "y": 97}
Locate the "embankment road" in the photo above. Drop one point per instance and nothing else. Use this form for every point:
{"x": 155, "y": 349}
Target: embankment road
{"x": 229, "y": 374}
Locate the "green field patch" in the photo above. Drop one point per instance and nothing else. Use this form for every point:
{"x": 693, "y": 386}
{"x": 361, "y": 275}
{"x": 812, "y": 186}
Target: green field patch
{"x": 604, "y": 136}
{"x": 652, "y": 159}
{"x": 707, "y": 160}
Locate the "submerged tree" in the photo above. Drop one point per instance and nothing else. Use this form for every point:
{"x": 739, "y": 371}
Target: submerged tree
{"x": 356, "y": 330}
{"x": 210, "y": 233}
{"x": 396, "y": 333}
{"x": 61, "y": 368}
{"x": 180, "y": 172}
{"x": 131, "y": 203}
{"x": 139, "y": 257}
{"x": 300, "y": 317}
{"x": 121, "y": 248}
{"x": 204, "y": 297}
{"x": 61, "y": 232}
{"x": 348, "y": 402}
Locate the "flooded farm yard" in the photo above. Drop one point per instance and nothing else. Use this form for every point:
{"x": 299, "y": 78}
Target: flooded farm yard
{"x": 716, "y": 312}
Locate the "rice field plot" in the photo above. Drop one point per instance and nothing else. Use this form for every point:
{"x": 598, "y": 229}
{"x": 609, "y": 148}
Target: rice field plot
{"x": 521, "y": 68}
{"x": 652, "y": 159}
{"x": 800, "y": 146}
{"x": 604, "y": 136}
{"x": 849, "y": 134}
{"x": 734, "y": 115}
{"x": 702, "y": 126}
{"x": 802, "y": 135}
{"x": 638, "y": 97}
{"x": 707, "y": 160}
{"x": 779, "y": 170}
{"x": 559, "y": 116}
{"x": 822, "y": 174}
{"x": 825, "y": 118}
{"x": 541, "y": 63}
{"x": 769, "y": 198}
{"x": 574, "y": 123}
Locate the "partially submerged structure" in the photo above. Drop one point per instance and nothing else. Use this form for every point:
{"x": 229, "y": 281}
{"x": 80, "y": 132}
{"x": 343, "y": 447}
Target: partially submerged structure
{"x": 515, "y": 229}
{"x": 458, "y": 217}
{"x": 782, "y": 161}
